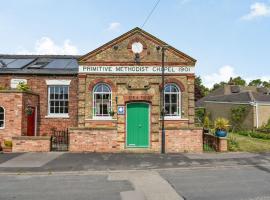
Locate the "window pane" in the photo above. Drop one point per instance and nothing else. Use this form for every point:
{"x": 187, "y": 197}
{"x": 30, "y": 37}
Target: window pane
{"x": 61, "y": 109}
{"x": 167, "y": 109}
{"x": 174, "y": 98}
{"x": 98, "y": 88}
{"x": 1, "y": 123}
{"x": 52, "y": 110}
{"x": 66, "y": 110}
{"x": 1, "y": 116}
{"x": 174, "y": 109}
{"x": 174, "y": 88}
{"x": 56, "y": 109}
{"x": 105, "y": 88}
{"x": 105, "y": 109}
{"x": 167, "y": 98}
{"x": 167, "y": 88}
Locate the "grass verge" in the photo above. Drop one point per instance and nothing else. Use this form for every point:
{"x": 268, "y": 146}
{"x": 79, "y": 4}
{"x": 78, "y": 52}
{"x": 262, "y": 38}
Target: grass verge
{"x": 238, "y": 142}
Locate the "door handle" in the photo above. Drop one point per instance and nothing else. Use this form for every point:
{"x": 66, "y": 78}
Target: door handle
{"x": 140, "y": 125}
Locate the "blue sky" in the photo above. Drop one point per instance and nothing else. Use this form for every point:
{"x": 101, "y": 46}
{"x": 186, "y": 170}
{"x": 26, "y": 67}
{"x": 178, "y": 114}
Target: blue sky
{"x": 227, "y": 37}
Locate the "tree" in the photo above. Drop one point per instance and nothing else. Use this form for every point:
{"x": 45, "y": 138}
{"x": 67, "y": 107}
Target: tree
{"x": 233, "y": 81}
{"x": 266, "y": 84}
{"x": 237, "y": 81}
{"x": 200, "y": 89}
{"x": 256, "y": 82}
{"x": 218, "y": 85}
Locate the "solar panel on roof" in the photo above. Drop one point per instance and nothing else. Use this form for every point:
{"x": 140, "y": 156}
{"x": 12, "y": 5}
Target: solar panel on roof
{"x": 19, "y": 63}
{"x": 73, "y": 64}
{"x": 38, "y": 65}
{"x": 7, "y": 60}
{"x": 59, "y": 64}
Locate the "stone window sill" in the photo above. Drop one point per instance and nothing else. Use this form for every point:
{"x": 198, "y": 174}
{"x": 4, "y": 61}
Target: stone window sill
{"x": 57, "y": 116}
{"x": 174, "y": 119}
{"x": 102, "y": 119}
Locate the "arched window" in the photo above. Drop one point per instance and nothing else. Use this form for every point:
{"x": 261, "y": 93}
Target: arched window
{"x": 102, "y": 100}
{"x": 2, "y": 117}
{"x": 172, "y": 98}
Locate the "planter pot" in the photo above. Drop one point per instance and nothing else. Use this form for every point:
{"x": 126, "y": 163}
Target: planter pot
{"x": 7, "y": 149}
{"x": 221, "y": 133}
{"x": 206, "y": 130}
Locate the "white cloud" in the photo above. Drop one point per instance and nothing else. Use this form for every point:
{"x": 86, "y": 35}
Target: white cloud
{"x": 114, "y": 26}
{"x": 257, "y": 10}
{"x": 223, "y": 74}
{"x": 46, "y": 45}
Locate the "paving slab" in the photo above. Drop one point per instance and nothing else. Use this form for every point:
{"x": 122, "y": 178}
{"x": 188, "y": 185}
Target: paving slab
{"x": 7, "y": 156}
{"x": 149, "y": 183}
{"x": 30, "y": 160}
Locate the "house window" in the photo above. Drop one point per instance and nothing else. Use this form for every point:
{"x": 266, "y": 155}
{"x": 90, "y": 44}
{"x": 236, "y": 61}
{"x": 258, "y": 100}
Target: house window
{"x": 172, "y": 100}
{"x": 58, "y": 98}
{"x": 102, "y": 100}
{"x": 2, "y": 117}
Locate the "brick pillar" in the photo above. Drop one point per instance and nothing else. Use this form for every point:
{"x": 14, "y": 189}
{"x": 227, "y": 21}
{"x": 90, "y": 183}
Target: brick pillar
{"x": 81, "y": 100}
{"x": 191, "y": 100}
{"x": 222, "y": 144}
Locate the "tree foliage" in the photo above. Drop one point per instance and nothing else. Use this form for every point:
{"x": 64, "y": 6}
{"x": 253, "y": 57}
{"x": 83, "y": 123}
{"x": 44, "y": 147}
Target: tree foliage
{"x": 200, "y": 89}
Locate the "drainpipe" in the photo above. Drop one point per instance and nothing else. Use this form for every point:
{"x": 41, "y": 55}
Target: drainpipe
{"x": 257, "y": 115}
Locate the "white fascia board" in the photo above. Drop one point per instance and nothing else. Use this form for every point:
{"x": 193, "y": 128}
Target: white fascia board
{"x": 223, "y": 102}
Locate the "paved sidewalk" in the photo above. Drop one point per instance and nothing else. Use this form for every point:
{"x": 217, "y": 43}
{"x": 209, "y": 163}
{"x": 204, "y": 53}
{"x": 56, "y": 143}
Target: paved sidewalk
{"x": 58, "y": 162}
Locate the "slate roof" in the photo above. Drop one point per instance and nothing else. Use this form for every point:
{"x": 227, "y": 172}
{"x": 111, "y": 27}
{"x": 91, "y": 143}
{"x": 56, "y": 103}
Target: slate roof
{"x": 38, "y": 64}
{"x": 245, "y": 95}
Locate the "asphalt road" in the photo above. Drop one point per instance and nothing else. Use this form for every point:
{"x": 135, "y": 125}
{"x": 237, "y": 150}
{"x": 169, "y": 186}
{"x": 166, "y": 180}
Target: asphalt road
{"x": 241, "y": 183}
{"x": 61, "y": 187}
{"x": 231, "y": 183}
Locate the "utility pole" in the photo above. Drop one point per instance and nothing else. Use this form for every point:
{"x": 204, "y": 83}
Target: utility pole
{"x": 162, "y": 103}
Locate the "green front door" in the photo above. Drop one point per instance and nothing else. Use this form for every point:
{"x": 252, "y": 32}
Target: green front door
{"x": 137, "y": 125}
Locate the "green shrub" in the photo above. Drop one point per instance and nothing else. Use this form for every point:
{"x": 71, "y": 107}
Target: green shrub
{"x": 238, "y": 115}
{"x": 8, "y": 143}
{"x": 199, "y": 115}
{"x": 206, "y": 122}
{"x": 254, "y": 134}
{"x": 23, "y": 87}
{"x": 233, "y": 144}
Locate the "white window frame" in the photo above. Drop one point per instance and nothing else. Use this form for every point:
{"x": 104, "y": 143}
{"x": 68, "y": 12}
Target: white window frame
{"x": 179, "y": 116}
{"x": 57, "y": 83}
{"x": 93, "y": 104}
{"x": 4, "y": 120}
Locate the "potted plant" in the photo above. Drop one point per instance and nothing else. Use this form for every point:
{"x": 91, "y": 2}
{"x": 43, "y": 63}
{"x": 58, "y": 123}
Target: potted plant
{"x": 206, "y": 124}
{"x": 7, "y": 146}
{"x": 28, "y": 110}
{"x": 221, "y": 127}
{"x": 111, "y": 112}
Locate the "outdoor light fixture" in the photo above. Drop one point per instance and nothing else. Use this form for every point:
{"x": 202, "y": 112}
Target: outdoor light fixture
{"x": 137, "y": 58}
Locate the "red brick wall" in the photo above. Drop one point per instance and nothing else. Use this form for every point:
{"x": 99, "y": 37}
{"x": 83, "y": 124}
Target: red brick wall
{"x": 93, "y": 140}
{"x": 15, "y": 103}
{"x": 31, "y": 144}
{"x": 186, "y": 140}
{"x": 38, "y": 85}
{"x": 12, "y": 104}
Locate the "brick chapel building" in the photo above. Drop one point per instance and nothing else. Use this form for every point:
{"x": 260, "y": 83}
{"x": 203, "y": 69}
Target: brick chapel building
{"x": 109, "y": 99}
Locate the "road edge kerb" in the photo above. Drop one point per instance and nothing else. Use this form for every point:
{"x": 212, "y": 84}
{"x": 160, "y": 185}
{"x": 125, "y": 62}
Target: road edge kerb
{"x": 85, "y": 172}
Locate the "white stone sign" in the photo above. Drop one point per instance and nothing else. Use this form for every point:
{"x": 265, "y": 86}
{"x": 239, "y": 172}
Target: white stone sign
{"x": 135, "y": 69}
{"x": 14, "y": 82}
